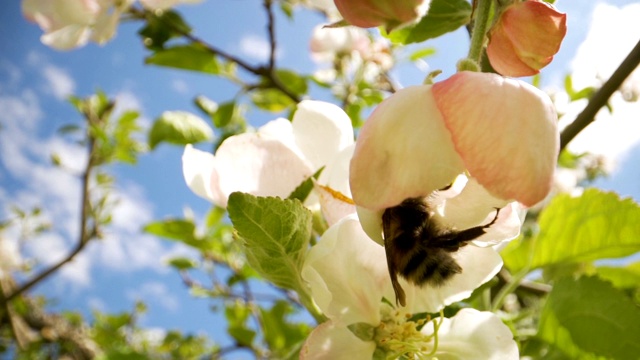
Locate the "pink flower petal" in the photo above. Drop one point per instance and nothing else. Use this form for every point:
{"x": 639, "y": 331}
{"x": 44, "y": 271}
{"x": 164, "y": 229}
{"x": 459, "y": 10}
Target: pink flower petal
{"x": 330, "y": 341}
{"x": 505, "y": 130}
{"x": 404, "y": 150}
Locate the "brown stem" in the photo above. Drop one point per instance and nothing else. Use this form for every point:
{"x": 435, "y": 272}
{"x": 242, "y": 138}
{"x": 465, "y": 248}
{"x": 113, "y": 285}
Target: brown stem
{"x": 264, "y": 71}
{"x": 600, "y": 98}
{"x": 272, "y": 34}
{"x": 85, "y": 233}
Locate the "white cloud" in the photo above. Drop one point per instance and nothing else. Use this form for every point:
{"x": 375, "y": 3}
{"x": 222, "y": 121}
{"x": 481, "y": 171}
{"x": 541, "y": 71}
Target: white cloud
{"x": 180, "y": 86}
{"x": 59, "y": 81}
{"x": 612, "y": 34}
{"x": 255, "y": 47}
{"x": 157, "y": 291}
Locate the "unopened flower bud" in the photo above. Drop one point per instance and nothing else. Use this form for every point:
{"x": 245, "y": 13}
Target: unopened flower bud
{"x": 390, "y": 13}
{"x": 525, "y": 38}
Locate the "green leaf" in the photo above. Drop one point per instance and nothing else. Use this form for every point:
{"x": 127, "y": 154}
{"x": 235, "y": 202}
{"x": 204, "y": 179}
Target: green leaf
{"x": 279, "y": 333}
{"x": 207, "y": 105}
{"x": 272, "y": 100}
{"x": 595, "y": 225}
{"x": 595, "y": 316}
{"x": 225, "y": 114}
{"x": 421, "y": 53}
{"x": 160, "y": 29}
{"x": 182, "y": 263}
{"x": 304, "y": 189}
{"x": 179, "y": 127}
{"x": 181, "y": 230}
{"x": 237, "y": 314}
{"x": 627, "y": 277}
{"x": 276, "y": 235}
{"x": 192, "y": 57}
{"x": 444, "y": 16}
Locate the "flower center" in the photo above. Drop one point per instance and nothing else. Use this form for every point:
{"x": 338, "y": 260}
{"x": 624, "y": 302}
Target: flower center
{"x": 399, "y": 335}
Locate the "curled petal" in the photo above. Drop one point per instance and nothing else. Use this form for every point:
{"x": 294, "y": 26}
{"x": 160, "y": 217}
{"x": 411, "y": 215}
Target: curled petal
{"x": 391, "y": 13}
{"x": 478, "y": 264}
{"x": 321, "y": 130}
{"x": 347, "y": 273}
{"x": 474, "y": 335}
{"x": 404, "y": 150}
{"x": 505, "y": 130}
{"x": 330, "y": 341}
{"x": 259, "y": 165}
{"x": 371, "y": 222}
{"x": 199, "y": 171}
{"x": 336, "y": 172}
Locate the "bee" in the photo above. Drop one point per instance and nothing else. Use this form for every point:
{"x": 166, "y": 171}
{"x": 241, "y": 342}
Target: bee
{"x": 418, "y": 249}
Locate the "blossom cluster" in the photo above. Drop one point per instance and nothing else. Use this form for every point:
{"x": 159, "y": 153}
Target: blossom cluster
{"x": 68, "y": 24}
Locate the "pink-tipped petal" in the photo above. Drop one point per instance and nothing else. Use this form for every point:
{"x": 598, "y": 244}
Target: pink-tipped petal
{"x": 321, "y": 130}
{"x": 505, "y": 130}
{"x": 404, "y": 150}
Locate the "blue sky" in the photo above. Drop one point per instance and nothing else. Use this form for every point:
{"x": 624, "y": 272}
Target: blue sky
{"x": 35, "y": 80}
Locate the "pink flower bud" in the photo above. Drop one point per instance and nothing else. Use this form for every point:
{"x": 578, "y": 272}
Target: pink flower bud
{"x": 390, "y": 13}
{"x": 525, "y": 38}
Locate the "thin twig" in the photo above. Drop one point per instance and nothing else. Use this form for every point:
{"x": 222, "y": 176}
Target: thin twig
{"x": 264, "y": 71}
{"x": 272, "y": 33}
{"x": 85, "y": 234}
{"x": 600, "y": 98}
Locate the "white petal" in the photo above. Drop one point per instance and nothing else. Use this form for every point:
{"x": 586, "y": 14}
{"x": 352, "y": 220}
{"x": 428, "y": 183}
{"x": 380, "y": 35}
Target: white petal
{"x": 259, "y": 165}
{"x": 329, "y": 341}
{"x": 199, "y": 171}
{"x": 321, "y": 131}
{"x": 471, "y": 335}
{"x": 478, "y": 264}
{"x": 67, "y": 38}
{"x": 336, "y": 173}
{"x": 371, "y": 222}
{"x": 334, "y": 204}
{"x": 347, "y": 273}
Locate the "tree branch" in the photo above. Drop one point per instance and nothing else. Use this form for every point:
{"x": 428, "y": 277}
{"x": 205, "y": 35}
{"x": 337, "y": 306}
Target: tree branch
{"x": 600, "y": 98}
{"x": 272, "y": 34}
{"x": 85, "y": 234}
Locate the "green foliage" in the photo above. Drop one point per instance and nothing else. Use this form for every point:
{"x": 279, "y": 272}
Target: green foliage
{"x": 237, "y": 313}
{"x": 182, "y": 263}
{"x": 275, "y": 233}
{"x": 275, "y": 100}
{"x": 444, "y": 16}
{"x": 179, "y": 127}
{"x": 595, "y": 225}
{"x": 192, "y": 57}
{"x": 283, "y": 337}
{"x": 590, "y": 315}
{"x": 422, "y": 53}
{"x": 302, "y": 191}
{"x": 182, "y": 230}
{"x": 161, "y": 28}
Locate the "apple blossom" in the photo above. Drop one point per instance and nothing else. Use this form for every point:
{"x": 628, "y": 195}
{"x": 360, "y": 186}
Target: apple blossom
{"x": 526, "y": 37}
{"x": 348, "y": 278}
{"x": 70, "y": 24}
{"x": 501, "y": 131}
{"x": 278, "y": 157}
{"x": 389, "y": 13}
